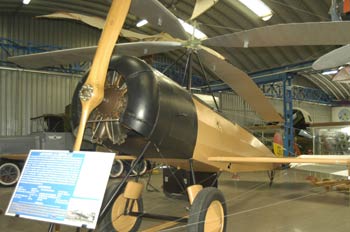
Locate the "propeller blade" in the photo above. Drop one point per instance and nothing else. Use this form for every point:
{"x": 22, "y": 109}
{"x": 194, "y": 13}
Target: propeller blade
{"x": 163, "y": 20}
{"x": 333, "y": 59}
{"x": 92, "y": 91}
{"x": 98, "y": 23}
{"x": 293, "y": 34}
{"x": 343, "y": 75}
{"x": 76, "y": 55}
{"x": 213, "y": 52}
{"x": 159, "y": 17}
{"x": 201, "y": 7}
{"x": 242, "y": 84}
{"x": 139, "y": 36}
{"x": 93, "y": 21}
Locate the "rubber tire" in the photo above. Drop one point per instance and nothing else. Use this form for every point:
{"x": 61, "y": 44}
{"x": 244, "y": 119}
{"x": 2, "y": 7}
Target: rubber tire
{"x": 106, "y": 224}
{"x": 144, "y": 167}
{"x": 200, "y": 206}
{"x": 113, "y": 175}
{"x": 14, "y": 167}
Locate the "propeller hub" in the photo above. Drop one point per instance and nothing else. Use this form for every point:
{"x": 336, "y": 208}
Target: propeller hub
{"x": 86, "y": 92}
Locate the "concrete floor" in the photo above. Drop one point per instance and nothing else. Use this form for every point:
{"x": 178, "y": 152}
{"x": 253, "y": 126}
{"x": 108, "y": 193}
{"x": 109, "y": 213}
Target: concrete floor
{"x": 291, "y": 205}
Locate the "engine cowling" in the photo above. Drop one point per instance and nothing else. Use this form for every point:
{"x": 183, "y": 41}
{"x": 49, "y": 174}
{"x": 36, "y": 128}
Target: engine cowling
{"x": 141, "y": 104}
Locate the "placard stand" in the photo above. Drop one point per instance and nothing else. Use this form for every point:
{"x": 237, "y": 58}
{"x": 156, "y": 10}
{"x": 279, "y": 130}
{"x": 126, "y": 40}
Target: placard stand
{"x": 55, "y": 186}
{"x": 56, "y": 227}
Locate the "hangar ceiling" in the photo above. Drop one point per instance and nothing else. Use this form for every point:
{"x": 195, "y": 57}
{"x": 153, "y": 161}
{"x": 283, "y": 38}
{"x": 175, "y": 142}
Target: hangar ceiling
{"x": 226, "y": 16}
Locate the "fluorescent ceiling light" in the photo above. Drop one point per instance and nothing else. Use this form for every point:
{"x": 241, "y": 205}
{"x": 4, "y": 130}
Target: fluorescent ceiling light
{"x": 193, "y": 31}
{"x": 141, "y": 23}
{"x": 329, "y": 72}
{"x": 187, "y": 27}
{"x": 259, "y": 8}
{"x": 266, "y": 18}
{"x": 26, "y": 2}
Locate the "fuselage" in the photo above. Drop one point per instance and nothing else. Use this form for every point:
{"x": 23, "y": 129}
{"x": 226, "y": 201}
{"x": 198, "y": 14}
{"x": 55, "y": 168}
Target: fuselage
{"x": 179, "y": 125}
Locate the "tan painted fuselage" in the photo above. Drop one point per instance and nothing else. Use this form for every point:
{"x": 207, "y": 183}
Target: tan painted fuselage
{"x": 216, "y": 137}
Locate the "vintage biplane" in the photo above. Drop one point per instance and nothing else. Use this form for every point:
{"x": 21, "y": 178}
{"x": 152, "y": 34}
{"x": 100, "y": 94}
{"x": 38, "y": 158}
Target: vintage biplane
{"x": 127, "y": 106}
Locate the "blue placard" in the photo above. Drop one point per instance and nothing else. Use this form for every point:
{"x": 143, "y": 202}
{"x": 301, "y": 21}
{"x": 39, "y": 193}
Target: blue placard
{"x": 62, "y": 187}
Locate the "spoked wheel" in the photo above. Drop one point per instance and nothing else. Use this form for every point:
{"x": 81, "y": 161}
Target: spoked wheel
{"x": 208, "y": 211}
{"x": 9, "y": 173}
{"x": 116, "y": 219}
{"x": 117, "y": 169}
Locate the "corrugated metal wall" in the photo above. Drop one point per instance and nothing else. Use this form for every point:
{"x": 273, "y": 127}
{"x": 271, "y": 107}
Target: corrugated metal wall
{"x": 234, "y": 108}
{"x": 62, "y": 33}
{"x": 25, "y": 94}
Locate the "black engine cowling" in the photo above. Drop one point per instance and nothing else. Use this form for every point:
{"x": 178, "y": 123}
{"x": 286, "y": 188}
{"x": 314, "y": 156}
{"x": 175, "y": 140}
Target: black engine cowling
{"x": 153, "y": 108}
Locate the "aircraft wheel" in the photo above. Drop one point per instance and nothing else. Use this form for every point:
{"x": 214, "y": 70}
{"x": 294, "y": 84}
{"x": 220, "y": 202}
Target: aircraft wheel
{"x": 9, "y": 173}
{"x": 117, "y": 169}
{"x": 115, "y": 220}
{"x": 142, "y": 167}
{"x": 208, "y": 211}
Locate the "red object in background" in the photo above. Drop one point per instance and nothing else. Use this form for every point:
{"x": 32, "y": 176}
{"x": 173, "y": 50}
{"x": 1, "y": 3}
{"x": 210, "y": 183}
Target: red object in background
{"x": 278, "y": 138}
{"x": 297, "y": 151}
{"x": 346, "y": 6}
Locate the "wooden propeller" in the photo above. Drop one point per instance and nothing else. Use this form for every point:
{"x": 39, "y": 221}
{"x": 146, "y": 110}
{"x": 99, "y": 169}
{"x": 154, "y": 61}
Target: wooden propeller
{"x": 92, "y": 92}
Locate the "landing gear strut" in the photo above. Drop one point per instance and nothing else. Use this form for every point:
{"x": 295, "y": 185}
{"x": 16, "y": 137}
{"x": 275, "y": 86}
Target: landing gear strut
{"x": 122, "y": 201}
{"x": 118, "y": 217}
{"x": 271, "y": 175}
{"x": 123, "y": 210}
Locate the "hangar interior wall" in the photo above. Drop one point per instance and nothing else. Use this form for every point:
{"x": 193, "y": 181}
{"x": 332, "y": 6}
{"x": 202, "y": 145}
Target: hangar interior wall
{"x": 24, "y": 95}
{"x": 234, "y": 108}
{"x": 27, "y": 94}
{"x": 26, "y": 29}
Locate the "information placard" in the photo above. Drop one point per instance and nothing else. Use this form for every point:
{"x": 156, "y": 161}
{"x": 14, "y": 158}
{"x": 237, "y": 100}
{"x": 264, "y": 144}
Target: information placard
{"x": 62, "y": 187}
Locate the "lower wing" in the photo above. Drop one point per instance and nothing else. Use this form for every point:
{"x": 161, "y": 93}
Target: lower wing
{"x": 332, "y": 164}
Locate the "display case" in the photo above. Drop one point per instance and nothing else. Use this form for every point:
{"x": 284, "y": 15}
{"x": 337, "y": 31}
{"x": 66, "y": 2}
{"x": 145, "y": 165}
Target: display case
{"x": 331, "y": 138}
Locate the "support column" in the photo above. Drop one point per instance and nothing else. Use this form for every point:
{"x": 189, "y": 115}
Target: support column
{"x": 288, "y": 140}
